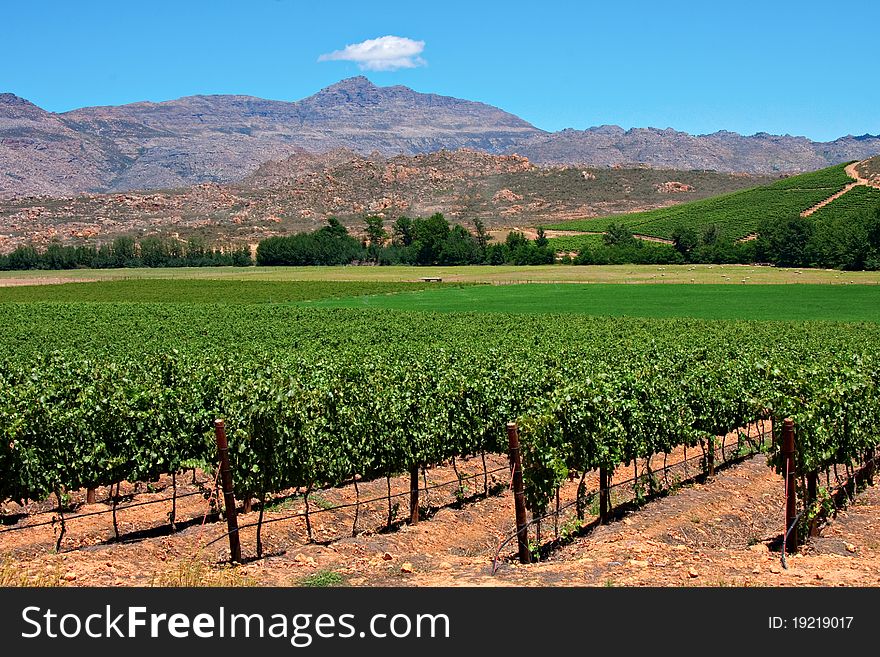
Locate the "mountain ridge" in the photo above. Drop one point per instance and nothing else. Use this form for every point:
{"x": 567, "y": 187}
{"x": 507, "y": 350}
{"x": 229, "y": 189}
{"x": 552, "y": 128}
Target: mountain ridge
{"x": 223, "y": 138}
{"x": 723, "y": 150}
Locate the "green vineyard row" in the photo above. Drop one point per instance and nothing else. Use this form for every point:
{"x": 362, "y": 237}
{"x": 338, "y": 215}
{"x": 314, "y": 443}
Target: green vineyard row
{"x": 92, "y": 394}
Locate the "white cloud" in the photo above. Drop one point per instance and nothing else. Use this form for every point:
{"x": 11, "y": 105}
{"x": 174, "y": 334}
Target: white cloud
{"x": 387, "y": 53}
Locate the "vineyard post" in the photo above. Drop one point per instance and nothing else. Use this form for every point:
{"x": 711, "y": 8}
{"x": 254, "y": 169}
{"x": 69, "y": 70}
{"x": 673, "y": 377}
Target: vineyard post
{"x": 790, "y": 478}
{"x": 58, "y": 494}
{"x": 710, "y": 456}
{"x": 228, "y": 495}
{"x": 604, "y": 496}
{"x": 870, "y": 468}
{"x": 519, "y": 497}
{"x": 172, "y": 517}
{"x": 414, "y": 495}
{"x": 91, "y": 495}
{"x": 812, "y": 494}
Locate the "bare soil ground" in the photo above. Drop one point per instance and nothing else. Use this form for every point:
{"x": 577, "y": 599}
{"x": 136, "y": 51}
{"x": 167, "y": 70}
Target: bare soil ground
{"x": 866, "y": 172}
{"x": 42, "y": 280}
{"x": 718, "y": 533}
{"x": 707, "y": 532}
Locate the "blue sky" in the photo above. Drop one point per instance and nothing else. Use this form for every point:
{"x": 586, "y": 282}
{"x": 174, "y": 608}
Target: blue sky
{"x": 779, "y": 67}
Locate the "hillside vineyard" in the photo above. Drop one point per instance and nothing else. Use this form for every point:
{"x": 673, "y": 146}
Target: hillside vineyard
{"x": 737, "y": 214}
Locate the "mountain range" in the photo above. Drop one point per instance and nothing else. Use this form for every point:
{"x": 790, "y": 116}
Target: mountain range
{"x": 224, "y": 139}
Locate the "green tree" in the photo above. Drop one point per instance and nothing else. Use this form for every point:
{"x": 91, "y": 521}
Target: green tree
{"x": 124, "y": 250}
{"x": 481, "y": 234}
{"x": 154, "y": 252}
{"x": 541, "y": 240}
{"x": 334, "y": 228}
{"x": 196, "y": 250}
{"x": 429, "y": 235}
{"x": 331, "y": 245}
{"x": 241, "y": 257}
{"x": 376, "y": 235}
{"x": 685, "y": 239}
{"x": 24, "y": 257}
{"x": 402, "y": 231}
{"x": 57, "y": 256}
{"x": 617, "y": 235}
{"x": 460, "y": 248}
{"x": 711, "y": 234}
{"x": 784, "y": 242}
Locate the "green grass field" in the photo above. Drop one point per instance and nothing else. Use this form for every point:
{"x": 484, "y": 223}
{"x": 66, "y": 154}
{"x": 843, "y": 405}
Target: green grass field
{"x": 469, "y": 274}
{"x": 651, "y": 298}
{"x": 756, "y": 302}
{"x": 200, "y": 291}
{"x": 738, "y": 214}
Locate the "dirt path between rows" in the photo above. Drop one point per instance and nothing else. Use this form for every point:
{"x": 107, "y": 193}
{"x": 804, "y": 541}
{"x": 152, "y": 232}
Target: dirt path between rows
{"x": 717, "y": 534}
{"x": 821, "y": 204}
{"x": 852, "y": 170}
{"x": 706, "y": 533}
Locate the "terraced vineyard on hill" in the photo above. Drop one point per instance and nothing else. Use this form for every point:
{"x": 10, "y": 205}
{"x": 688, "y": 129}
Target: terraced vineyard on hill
{"x": 857, "y": 201}
{"x": 738, "y": 214}
{"x": 575, "y": 242}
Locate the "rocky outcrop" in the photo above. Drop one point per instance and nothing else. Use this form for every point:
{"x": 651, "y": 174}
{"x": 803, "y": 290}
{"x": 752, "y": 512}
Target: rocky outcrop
{"x": 673, "y": 187}
{"x": 302, "y": 191}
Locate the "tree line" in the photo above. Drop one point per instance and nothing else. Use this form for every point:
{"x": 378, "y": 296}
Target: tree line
{"x": 848, "y": 242}
{"x": 709, "y": 246}
{"x": 152, "y": 251}
{"x": 411, "y": 241}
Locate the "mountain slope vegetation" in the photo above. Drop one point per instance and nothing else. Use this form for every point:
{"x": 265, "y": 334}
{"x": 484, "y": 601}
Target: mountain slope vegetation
{"x": 736, "y": 215}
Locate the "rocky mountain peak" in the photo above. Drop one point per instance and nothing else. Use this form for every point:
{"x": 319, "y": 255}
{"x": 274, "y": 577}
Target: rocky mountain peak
{"x": 353, "y": 89}
{"x": 12, "y": 99}
{"x": 355, "y": 83}
{"x": 12, "y": 106}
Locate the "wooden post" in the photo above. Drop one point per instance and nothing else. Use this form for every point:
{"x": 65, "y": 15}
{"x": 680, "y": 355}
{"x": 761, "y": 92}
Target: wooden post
{"x": 519, "y": 496}
{"x": 710, "y": 456}
{"x": 91, "y": 495}
{"x": 812, "y": 494}
{"x": 58, "y": 495}
{"x": 788, "y": 470}
{"x": 228, "y": 494}
{"x": 414, "y": 495}
{"x": 604, "y": 496}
